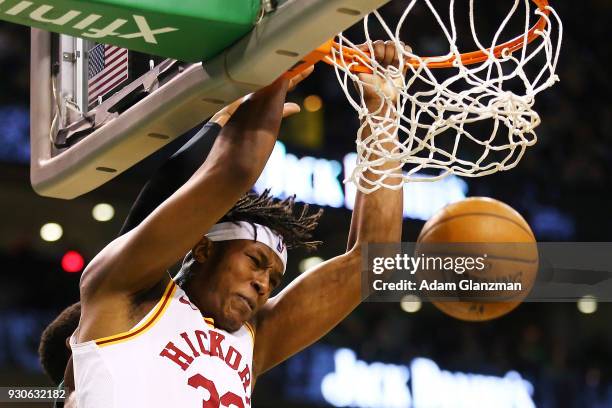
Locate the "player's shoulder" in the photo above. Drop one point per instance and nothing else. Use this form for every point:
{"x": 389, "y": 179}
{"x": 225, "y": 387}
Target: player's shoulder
{"x": 121, "y": 312}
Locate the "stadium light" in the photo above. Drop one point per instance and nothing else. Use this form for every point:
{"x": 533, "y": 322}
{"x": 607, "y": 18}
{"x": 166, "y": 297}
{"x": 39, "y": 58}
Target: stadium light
{"x": 103, "y": 212}
{"x": 72, "y": 262}
{"x": 51, "y": 232}
{"x": 313, "y": 103}
{"x": 308, "y": 263}
{"x": 587, "y": 304}
{"x": 411, "y": 304}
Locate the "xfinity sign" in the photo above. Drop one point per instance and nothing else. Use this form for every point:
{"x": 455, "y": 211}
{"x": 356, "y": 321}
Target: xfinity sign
{"x": 94, "y": 26}
{"x": 320, "y": 181}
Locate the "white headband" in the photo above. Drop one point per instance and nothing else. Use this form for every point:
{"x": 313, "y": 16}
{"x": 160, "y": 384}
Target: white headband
{"x": 226, "y": 231}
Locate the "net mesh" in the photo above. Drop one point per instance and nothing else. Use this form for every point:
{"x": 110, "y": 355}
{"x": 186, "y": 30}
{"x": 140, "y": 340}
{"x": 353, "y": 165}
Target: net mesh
{"x": 469, "y": 120}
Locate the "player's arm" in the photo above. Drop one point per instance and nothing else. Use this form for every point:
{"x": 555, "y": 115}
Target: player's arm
{"x": 179, "y": 168}
{"x": 139, "y": 259}
{"x": 320, "y": 298}
{"x": 174, "y": 172}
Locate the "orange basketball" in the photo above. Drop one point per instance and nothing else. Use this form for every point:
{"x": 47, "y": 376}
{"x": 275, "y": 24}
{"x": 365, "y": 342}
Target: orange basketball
{"x": 491, "y": 227}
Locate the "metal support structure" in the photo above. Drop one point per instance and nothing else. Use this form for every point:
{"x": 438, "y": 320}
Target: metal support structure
{"x": 178, "y": 104}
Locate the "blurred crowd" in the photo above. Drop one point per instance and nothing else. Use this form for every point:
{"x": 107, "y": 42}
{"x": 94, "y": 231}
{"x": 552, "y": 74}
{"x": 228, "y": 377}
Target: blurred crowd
{"x": 14, "y": 64}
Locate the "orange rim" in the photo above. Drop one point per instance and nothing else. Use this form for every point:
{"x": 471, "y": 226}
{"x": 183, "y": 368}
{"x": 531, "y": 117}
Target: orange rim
{"x": 355, "y": 58}
{"x": 475, "y": 57}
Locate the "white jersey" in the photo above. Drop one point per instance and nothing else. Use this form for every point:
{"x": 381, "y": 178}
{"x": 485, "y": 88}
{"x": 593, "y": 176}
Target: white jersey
{"x": 174, "y": 357}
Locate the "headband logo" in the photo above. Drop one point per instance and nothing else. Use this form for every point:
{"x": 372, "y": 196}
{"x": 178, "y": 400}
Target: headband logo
{"x": 280, "y": 246}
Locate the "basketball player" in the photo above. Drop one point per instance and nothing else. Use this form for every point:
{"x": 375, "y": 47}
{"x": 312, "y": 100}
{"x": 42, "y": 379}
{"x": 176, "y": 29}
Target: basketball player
{"x": 54, "y": 349}
{"x": 146, "y": 340}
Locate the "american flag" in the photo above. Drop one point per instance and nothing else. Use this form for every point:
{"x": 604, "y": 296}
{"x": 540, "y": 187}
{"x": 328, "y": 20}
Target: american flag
{"x": 108, "y": 68}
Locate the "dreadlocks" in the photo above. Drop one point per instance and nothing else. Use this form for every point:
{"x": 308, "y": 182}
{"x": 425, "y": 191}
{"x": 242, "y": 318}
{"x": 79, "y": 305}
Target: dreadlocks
{"x": 278, "y": 215}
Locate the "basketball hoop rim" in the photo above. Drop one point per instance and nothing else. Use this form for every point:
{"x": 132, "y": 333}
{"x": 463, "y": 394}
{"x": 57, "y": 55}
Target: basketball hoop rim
{"x": 354, "y": 58}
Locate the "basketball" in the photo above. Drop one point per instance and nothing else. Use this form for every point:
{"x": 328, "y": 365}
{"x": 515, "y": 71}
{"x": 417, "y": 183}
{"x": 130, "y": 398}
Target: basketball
{"x": 491, "y": 229}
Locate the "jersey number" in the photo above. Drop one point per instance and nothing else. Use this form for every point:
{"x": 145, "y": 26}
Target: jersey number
{"x": 228, "y": 400}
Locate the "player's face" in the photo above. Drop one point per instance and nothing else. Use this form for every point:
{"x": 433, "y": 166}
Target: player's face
{"x": 241, "y": 277}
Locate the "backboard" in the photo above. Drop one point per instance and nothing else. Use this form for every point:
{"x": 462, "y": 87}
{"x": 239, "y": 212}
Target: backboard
{"x": 80, "y": 139}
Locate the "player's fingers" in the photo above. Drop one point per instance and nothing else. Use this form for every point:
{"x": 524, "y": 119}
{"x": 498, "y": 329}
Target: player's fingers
{"x": 406, "y": 47}
{"x": 397, "y": 55}
{"x": 226, "y": 113}
{"x": 365, "y": 52}
{"x": 399, "y": 52}
{"x": 231, "y": 108}
{"x": 363, "y": 47}
{"x": 389, "y": 53}
{"x": 406, "y": 50}
{"x": 300, "y": 77}
{"x": 290, "y": 108}
{"x": 303, "y": 75}
{"x": 379, "y": 50}
{"x": 306, "y": 73}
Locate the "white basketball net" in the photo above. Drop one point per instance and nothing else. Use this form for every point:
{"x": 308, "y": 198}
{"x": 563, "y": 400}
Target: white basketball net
{"x": 432, "y": 112}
